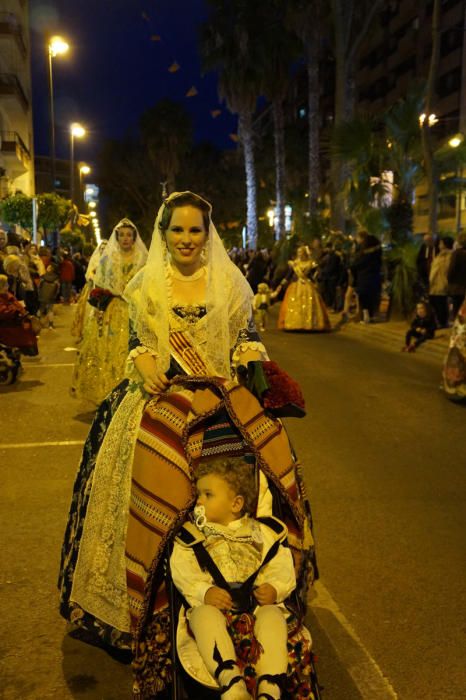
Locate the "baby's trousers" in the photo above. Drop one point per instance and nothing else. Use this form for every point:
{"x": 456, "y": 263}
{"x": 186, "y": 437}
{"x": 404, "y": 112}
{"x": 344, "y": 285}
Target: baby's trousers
{"x": 209, "y": 626}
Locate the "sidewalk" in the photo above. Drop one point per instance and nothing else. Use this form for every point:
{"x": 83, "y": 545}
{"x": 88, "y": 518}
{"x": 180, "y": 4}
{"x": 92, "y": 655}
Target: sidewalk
{"x": 391, "y": 334}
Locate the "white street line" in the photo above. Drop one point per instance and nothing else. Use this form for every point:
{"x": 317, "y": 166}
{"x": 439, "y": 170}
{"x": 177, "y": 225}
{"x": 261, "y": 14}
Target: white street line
{"x": 363, "y": 669}
{"x": 57, "y": 364}
{"x": 58, "y": 443}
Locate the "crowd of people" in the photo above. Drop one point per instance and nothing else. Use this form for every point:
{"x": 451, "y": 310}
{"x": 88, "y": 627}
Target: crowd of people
{"x": 187, "y": 468}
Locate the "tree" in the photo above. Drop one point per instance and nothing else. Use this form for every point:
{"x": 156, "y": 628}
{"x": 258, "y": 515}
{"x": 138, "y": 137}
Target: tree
{"x": 230, "y": 47}
{"x": 427, "y": 142}
{"x": 351, "y": 21}
{"x": 52, "y": 211}
{"x": 279, "y": 52}
{"x": 307, "y": 20}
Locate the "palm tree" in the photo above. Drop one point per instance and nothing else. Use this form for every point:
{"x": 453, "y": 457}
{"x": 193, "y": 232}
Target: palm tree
{"x": 230, "y": 46}
{"x": 429, "y": 160}
{"x": 351, "y": 21}
{"x": 279, "y": 51}
{"x": 404, "y": 157}
{"x": 307, "y": 20}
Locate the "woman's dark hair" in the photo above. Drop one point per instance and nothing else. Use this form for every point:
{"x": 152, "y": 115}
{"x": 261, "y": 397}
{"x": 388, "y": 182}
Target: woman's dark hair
{"x": 448, "y": 242}
{"x": 186, "y": 199}
{"x": 133, "y": 229}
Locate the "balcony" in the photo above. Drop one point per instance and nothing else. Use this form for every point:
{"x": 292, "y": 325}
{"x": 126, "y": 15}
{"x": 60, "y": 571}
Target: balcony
{"x": 11, "y": 87}
{"x": 10, "y": 27}
{"x": 16, "y": 157}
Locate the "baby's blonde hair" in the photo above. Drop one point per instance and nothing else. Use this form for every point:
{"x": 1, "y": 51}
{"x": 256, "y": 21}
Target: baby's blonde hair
{"x": 238, "y": 474}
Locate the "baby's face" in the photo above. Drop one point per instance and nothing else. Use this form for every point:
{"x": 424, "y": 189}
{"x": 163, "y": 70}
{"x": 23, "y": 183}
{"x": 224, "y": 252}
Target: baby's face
{"x": 217, "y": 497}
{"x": 421, "y": 311}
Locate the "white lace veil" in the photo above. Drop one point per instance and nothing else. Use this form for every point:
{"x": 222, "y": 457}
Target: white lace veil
{"x": 228, "y": 299}
{"x": 110, "y": 273}
{"x": 94, "y": 260}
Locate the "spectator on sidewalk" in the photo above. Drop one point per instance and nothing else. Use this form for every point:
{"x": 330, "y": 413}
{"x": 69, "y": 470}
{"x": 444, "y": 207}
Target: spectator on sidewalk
{"x": 422, "y": 328}
{"x": 49, "y": 290}
{"x": 79, "y": 272}
{"x": 18, "y": 329}
{"x": 67, "y": 275}
{"x": 367, "y": 271}
{"x": 3, "y": 246}
{"x": 457, "y": 274}
{"x": 438, "y": 281}
{"x": 425, "y": 257}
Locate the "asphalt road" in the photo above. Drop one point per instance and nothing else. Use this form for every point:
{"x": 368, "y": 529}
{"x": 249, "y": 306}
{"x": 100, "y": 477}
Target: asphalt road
{"x": 384, "y": 460}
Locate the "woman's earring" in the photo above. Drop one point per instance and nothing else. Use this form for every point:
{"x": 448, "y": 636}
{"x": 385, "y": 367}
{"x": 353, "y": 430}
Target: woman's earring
{"x": 204, "y": 255}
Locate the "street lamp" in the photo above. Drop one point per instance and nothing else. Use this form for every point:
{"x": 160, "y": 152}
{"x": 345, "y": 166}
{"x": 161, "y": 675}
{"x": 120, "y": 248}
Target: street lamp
{"x": 76, "y": 131}
{"x": 56, "y": 47}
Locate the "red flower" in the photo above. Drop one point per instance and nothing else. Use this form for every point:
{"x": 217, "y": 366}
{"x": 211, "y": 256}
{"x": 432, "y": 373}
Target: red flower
{"x": 282, "y": 388}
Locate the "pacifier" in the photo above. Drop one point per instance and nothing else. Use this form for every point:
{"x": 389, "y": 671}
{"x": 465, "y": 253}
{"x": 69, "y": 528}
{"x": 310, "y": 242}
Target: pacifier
{"x": 200, "y": 516}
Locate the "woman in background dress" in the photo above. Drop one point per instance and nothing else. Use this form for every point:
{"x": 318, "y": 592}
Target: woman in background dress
{"x": 103, "y": 350}
{"x": 302, "y": 308}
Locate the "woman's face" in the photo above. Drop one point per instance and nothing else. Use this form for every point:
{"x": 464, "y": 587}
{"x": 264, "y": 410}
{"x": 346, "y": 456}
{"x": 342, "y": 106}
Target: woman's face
{"x": 126, "y": 238}
{"x": 186, "y": 237}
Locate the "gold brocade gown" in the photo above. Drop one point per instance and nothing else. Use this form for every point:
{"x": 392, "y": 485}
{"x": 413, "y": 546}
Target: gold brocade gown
{"x": 302, "y": 308}
{"x": 103, "y": 350}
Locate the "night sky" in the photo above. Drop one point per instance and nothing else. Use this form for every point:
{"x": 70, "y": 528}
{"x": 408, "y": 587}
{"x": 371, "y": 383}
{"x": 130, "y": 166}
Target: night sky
{"x": 115, "y": 70}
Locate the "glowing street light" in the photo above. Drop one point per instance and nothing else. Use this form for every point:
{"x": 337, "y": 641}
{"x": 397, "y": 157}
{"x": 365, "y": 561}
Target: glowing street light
{"x": 92, "y": 205}
{"x": 84, "y": 169}
{"x": 456, "y": 140}
{"x": 76, "y": 131}
{"x": 431, "y": 120}
{"x": 57, "y": 46}
{"x": 92, "y": 214}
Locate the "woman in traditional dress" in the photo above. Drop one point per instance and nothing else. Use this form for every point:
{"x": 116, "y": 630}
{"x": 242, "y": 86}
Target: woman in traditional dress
{"x": 82, "y": 307}
{"x": 454, "y": 369}
{"x": 302, "y": 308}
{"x": 103, "y": 349}
{"x": 192, "y": 328}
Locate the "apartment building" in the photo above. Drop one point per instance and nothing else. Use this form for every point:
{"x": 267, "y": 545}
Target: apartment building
{"x": 16, "y": 134}
{"x": 395, "y": 56}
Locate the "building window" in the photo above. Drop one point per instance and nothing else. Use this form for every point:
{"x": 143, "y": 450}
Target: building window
{"x": 449, "y": 82}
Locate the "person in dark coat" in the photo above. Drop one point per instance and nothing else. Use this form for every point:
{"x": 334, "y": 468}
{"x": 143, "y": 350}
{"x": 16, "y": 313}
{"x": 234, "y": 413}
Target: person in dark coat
{"x": 456, "y": 274}
{"x": 330, "y": 271}
{"x": 257, "y": 270}
{"x": 426, "y": 254}
{"x": 367, "y": 272}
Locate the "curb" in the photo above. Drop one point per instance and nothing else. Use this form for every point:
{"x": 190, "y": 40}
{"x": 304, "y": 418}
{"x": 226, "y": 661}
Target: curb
{"x": 391, "y": 336}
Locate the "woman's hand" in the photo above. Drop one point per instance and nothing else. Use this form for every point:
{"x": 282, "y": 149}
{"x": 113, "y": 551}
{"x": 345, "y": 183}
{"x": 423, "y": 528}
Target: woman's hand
{"x": 219, "y": 598}
{"x": 265, "y": 594}
{"x": 154, "y": 381}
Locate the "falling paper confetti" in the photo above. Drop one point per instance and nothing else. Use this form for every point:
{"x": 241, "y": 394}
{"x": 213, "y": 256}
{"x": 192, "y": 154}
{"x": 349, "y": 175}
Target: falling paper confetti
{"x": 192, "y": 92}
{"x": 234, "y": 137}
{"x": 174, "y": 67}
{"x": 214, "y": 113}
{"x": 155, "y": 37}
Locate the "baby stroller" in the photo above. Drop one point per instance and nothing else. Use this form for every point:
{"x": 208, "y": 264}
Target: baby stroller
{"x": 190, "y": 676}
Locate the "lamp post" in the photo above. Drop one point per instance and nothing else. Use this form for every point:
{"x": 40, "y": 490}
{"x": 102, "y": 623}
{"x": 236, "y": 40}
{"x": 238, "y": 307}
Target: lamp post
{"x": 76, "y": 131}
{"x": 454, "y": 142}
{"x": 56, "y": 47}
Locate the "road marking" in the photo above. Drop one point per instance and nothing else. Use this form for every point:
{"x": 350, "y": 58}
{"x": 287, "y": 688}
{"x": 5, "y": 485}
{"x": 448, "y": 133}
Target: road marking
{"x": 52, "y": 364}
{"x": 57, "y": 443}
{"x": 363, "y": 669}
